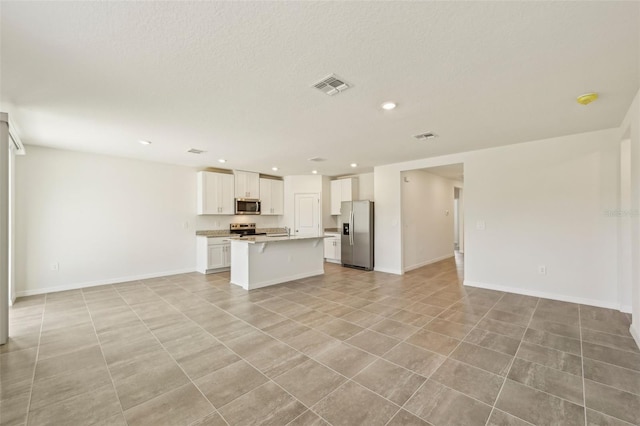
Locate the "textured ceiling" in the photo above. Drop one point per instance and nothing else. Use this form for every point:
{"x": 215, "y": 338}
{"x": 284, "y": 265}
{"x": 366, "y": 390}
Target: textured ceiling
{"x": 234, "y": 78}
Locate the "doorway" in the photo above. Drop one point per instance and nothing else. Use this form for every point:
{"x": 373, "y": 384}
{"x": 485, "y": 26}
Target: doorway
{"x": 432, "y": 215}
{"x": 306, "y": 215}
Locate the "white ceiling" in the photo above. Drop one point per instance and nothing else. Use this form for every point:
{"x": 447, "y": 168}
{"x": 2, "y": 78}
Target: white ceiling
{"x": 234, "y": 78}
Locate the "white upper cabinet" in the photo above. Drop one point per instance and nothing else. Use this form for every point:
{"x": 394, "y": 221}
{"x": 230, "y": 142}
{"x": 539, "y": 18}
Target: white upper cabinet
{"x": 247, "y": 184}
{"x": 272, "y": 197}
{"x": 215, "y": 193}
{"x": 343, "y": 190}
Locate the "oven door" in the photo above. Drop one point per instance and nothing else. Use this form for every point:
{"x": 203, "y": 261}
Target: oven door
{"x": 247, "y": 206}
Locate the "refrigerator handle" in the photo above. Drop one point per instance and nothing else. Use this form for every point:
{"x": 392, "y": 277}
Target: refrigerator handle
{"x": 351, "y": 228}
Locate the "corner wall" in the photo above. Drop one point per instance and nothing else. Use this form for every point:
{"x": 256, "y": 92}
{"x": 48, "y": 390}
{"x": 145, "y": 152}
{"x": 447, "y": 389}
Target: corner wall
{"x": 101, "y": 219}
{"x": 631, "y": 124}
{"x": 542, "y": 203}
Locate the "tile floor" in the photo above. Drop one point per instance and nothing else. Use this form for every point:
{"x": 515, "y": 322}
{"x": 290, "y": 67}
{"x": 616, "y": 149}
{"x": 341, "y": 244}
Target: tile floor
{"x": 346, "y": 348}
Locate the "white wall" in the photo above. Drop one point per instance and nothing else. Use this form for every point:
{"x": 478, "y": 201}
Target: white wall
{"x": 427, "y": 218}
{"x": 12, "y": 226}
{"x": 365, "y": 186}
{"x": 631, "y": 128}
{"x": 625, "y": 258}
{"x": 103, "y": 219}
{"x": 542, "y": 202}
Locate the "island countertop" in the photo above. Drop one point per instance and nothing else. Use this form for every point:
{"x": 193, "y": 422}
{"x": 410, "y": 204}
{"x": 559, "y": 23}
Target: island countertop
{"x": 272, "y": 239}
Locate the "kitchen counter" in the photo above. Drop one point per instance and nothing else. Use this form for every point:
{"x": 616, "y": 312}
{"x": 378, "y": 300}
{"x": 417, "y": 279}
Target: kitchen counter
{"x": 263, "y": 261}
{"x": 226, "y": 233}
{"x": 271, "y": 238}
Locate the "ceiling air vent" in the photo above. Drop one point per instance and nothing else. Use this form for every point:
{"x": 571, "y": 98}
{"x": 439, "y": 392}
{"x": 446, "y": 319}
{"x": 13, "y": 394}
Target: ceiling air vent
{"x": 331, "y": 85}
{"x": 316, "y": 159}
{"x": 425, "y": 136}
{"x": 195, "y": 151}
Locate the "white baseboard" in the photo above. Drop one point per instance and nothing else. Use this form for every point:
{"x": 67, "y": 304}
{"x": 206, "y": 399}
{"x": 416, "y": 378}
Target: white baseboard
{"x": 76, "y": 286}
{"x": 336, "y": 261}
{"x": 626, "y": 309}
{"x": 428, "y": 262}
{"x": 388, "y": 271}
{"x": 281, "y": 280}
{"x": 544, "y": 295}
{"x": 635, "y": 334}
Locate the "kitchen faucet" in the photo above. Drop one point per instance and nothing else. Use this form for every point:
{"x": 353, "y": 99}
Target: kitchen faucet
{"x": 287, "y": 230}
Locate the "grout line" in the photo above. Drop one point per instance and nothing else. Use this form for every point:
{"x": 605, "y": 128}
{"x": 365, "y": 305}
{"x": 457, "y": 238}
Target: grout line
{"x": 376, "y": 357}
{"x": 447, "y": 356}
{"x": 35, "y": 363}
{"x": 166, "y": 351}
{"x": 612, "y": 387}
{"x": 506, "y": 377}
{"x": 637, "y": 353}
{"x": 552, "y": 349}
{"x": 508, "y": 414}
{"x": 217, "y": 409}
{"x": 321, "y": 287}
{"x": 113, "y": 384}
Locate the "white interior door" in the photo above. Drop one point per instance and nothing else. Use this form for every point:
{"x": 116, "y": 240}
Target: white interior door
{"x": 306, "y": 215}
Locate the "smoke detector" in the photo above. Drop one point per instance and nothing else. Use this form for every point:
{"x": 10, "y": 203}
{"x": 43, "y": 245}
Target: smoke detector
{"x": 196, "y": 151}
{"x": 587, "y": 98}
{"x": 425, "y": 136}
{"x": 331, "y": 85}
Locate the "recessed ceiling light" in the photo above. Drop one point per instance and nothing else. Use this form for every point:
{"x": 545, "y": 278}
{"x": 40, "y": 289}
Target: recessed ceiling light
{"x": 354, "y": 164}
{"x": 388, "y": 106}
{"x": 315, "y": 172}
{"x": 144, "y": 142}
{"x": 222, "y": 160}
{"x": 275, "y": 169}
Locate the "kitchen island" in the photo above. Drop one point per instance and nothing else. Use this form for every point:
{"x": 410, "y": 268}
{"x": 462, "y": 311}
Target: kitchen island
{"x": 267, "y": 260}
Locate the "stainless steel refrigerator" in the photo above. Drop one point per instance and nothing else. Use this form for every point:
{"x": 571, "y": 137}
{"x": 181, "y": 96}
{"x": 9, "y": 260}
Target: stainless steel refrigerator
{"x": 357, "y": 234}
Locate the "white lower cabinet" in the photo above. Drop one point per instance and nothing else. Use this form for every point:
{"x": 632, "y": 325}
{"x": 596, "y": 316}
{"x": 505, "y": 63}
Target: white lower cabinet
{"x": 332, "y": 250}
{"x": 214, "y": 254}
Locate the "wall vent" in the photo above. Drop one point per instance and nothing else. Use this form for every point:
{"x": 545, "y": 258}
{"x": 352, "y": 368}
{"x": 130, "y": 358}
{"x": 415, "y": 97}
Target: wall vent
{"x": 331, "y": 85}
{"x": 196, "y": 151}
{"x": 425, "y": 136}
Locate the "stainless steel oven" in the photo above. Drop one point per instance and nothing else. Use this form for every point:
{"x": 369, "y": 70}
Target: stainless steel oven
{"x": 247, "y": 206}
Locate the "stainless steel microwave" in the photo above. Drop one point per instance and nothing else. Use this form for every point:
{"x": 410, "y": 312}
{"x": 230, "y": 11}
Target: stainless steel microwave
{"x": 247, "y": 206}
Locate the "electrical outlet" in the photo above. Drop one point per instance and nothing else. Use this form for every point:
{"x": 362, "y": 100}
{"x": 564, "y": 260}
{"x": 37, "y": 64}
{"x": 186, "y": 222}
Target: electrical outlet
{"x": 542, "y": 270}
{"x": 480, "y": 225}
{"x": 55, "y": 266}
